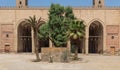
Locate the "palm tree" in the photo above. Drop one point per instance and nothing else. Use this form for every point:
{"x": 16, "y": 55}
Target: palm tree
{"x": 76, "y": 32}
{"x": 34, "y": 23}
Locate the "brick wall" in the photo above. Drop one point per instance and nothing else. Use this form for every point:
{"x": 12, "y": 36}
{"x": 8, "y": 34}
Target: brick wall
{"x": 112, "y": 37}
{"x": 7, "y": 37}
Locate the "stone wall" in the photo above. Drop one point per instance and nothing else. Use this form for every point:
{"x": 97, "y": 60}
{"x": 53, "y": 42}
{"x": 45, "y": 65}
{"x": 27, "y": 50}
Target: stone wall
{"x": 54, "y": 53}
{"x": 12, "y": 17}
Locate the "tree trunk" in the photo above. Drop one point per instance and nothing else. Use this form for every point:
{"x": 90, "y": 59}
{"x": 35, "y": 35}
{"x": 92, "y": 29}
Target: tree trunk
{"x": 69, "y": 45}
{"x": 76, "y": 50}
{"x": 76, "y": 53}
{"x": 36, "y": 45}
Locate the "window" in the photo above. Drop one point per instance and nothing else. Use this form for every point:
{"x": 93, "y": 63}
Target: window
{"x": 93, "y": 3}
{"x": 7, "y": 35}
{"x": 20, "y": 2}
{"x": 99, "y": 2}
{"x": 112, "y": 37}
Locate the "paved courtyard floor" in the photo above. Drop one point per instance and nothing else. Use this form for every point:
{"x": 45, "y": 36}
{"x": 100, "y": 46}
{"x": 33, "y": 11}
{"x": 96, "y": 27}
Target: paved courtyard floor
{"x": 90, "y": 62}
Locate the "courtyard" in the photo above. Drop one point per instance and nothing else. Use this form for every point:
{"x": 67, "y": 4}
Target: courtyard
{"x": 23, "y": 61}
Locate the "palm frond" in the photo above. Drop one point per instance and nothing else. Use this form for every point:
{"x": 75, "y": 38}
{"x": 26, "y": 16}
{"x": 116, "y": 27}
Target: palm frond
{"x": 77, "y": 29}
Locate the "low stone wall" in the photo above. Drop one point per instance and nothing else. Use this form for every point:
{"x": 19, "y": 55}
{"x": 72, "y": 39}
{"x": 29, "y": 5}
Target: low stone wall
{"x": 56, "y": 54}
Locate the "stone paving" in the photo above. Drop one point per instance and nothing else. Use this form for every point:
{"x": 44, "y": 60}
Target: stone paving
{"x": 90, "y": 62}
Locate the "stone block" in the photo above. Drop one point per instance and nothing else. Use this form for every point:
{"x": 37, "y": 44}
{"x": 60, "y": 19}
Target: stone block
{"x": 54, "y": 53}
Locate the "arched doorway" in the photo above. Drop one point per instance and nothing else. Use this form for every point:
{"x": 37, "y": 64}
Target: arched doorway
{"x": 80, "y": 44}
{"x": 96, "y": 37}
{"x": 43, "y": 43}
{"x": 24, "y": 38}
{"x": 43, "y": 40}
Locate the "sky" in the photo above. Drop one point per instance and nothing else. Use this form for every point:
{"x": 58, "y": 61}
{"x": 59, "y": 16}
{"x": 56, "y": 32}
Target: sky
{"x": 46, "y": 3}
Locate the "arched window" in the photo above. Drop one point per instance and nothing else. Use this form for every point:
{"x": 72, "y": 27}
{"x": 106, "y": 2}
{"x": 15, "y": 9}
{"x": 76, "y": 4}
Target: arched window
{"x": 99, "y": 2}
{"x": 93, "y": 2}
{"x": 20, "y": 2}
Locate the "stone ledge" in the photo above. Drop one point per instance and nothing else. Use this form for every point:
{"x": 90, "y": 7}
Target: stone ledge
{"x": 55, "y": 53}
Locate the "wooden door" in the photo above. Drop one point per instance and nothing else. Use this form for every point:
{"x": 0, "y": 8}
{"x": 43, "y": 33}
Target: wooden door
{"x": 112, "y": 49}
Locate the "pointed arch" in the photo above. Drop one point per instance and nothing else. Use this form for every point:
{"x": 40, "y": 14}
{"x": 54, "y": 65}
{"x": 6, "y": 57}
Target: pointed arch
{"x": 24, "y": 37}
{"x": 96, "y": 19}
{"x": 96, "y": 33}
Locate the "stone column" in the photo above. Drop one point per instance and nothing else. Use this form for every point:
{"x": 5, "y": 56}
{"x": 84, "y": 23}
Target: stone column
{"x": 50, "y": 43}
{"x": 32, "y": 36}
{"x": 86, "y": 41}
{"x": 68, "y": 45}
{"x": 83, "y": 46}
{"x": 16, "y": 40}
{"x": 86, "y": 46}
{"x": 104, "y": 38}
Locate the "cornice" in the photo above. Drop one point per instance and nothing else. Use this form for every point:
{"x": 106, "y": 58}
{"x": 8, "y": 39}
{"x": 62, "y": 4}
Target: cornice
{"x": 47, "y": 8}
